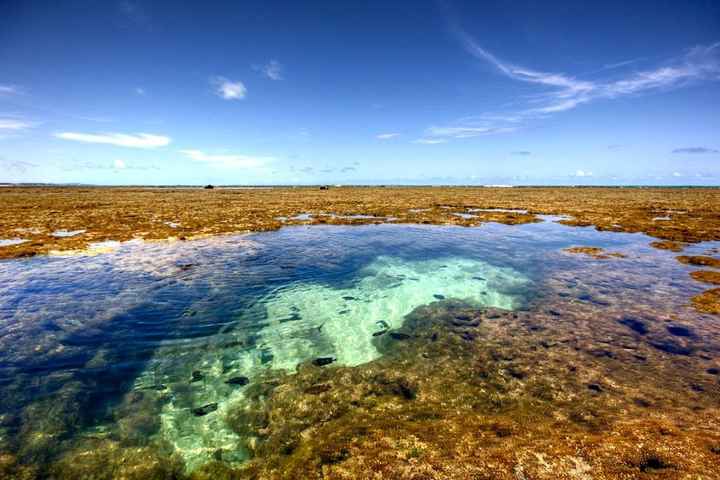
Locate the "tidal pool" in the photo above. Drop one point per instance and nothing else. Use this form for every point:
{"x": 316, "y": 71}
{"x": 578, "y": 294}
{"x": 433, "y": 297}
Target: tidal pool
{"x": 173, "y": 359}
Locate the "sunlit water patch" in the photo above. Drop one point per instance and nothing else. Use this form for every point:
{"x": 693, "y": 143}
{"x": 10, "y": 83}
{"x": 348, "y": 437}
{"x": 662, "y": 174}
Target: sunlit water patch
{"x": 315, "y": 321}
{"x": 153, "y": 344}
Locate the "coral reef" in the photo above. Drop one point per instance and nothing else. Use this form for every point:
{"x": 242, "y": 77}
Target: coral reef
{"x": 706, "y": 276}
{"x": 103, "y": 214}
{"x": 668, "y": 245}
{"x": 708, "y": 301}
{"x": 699, "y": 260}
{"x": 463, "y": 393}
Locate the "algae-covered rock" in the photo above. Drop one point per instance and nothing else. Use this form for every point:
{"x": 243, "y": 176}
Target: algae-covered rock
{"x": 708, "y": 301}
{"x": 108, "y": 460}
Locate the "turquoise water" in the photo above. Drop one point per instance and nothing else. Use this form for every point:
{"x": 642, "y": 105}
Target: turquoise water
{"x": 197, "y": 323}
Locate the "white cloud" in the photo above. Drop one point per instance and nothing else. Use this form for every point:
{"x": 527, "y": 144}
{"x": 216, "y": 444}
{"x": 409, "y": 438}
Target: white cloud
{"x": 140, "y": 91}
{"x": 227, "y": 160}
{"x": 677, "y": 174}
{"x": 9, "y": 90}
{"x": 119, "y": 164}
{"x": 138, "y": 140}
{"x": 466, "y": 131}
{"x": 14, "y": 125}
{"x": 387, "y": 136}
{"x": 695, "y": 150}
{"x": 430, "y": 141}
{"x": 272, "y": 70}
{"x": 228, "y": 89}
{"x": 582, "y": 173}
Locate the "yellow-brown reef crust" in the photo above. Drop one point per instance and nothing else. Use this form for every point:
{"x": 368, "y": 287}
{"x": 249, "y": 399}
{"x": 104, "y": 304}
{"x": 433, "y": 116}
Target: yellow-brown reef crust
{"x": 595, "y": 252}
{"x": 708, "y": 301}
{"x": 699, "y": 260}
{"x": 706, "y": 276}
{"x": 668, "y": 245}
{"x": 34, "y": 213}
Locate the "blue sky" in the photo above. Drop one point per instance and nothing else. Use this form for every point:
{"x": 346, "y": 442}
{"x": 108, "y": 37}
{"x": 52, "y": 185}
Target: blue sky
{"x": 160, "y": 92}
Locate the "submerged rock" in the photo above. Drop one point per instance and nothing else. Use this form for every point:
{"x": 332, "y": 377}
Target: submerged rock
{"x": 670, "y": 346}
{"x": 680, "y": 331}
{"x": 637, "y": 326}
{"x": 106, "y": 460}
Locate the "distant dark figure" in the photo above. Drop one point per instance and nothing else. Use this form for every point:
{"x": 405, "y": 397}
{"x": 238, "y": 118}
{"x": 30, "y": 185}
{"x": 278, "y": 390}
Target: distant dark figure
{"x": 324, "y": 187}
{"x": 209, "y": 187}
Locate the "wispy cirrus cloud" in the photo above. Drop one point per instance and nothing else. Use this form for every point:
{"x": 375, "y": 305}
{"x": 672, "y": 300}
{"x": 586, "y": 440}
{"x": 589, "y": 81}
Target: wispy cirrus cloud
{"x": 562, "y": 92}
{"x": 228, "y": 89}
{"x": 227, "y": 160}
{"x": 9, "y": 90}
{"x": 567, "y": 92}
{"x": 387, "y": 136}
{"x": 16, "y": 166}
{"x": 695, "y": 150}
{"x": 466, "y": 131}
{"x": 521, "y": 153}
{"x": 14, "y": 124}
{"x": 137, "y": 140}
{"x": 272, "y": 70}
{"x": 430, "y": 141}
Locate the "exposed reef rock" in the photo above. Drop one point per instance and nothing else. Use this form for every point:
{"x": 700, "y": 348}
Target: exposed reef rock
{"x": 699, "y": 260}
{"x": 706, "y": 276}
{"x": 708, "y": 302}
{"x": 668, "y": 245}
{"x": 595, "y": 252}
{"x": 33, "y": 213}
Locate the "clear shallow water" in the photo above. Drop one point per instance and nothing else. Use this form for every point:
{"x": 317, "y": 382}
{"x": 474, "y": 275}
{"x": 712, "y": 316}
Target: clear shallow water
{"x": 199, "y": 321}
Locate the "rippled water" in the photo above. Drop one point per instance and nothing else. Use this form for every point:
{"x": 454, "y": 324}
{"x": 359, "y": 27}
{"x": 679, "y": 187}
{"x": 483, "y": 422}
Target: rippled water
{"x": 199, "y": 321}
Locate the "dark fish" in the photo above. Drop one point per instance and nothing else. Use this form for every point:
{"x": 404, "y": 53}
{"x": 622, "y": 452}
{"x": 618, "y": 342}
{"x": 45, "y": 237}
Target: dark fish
{"x": 205, "y": 409}
{"x": 439, "y": 297}
{"x": 322, "y": 361}
{"x": 240, "y": 380}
